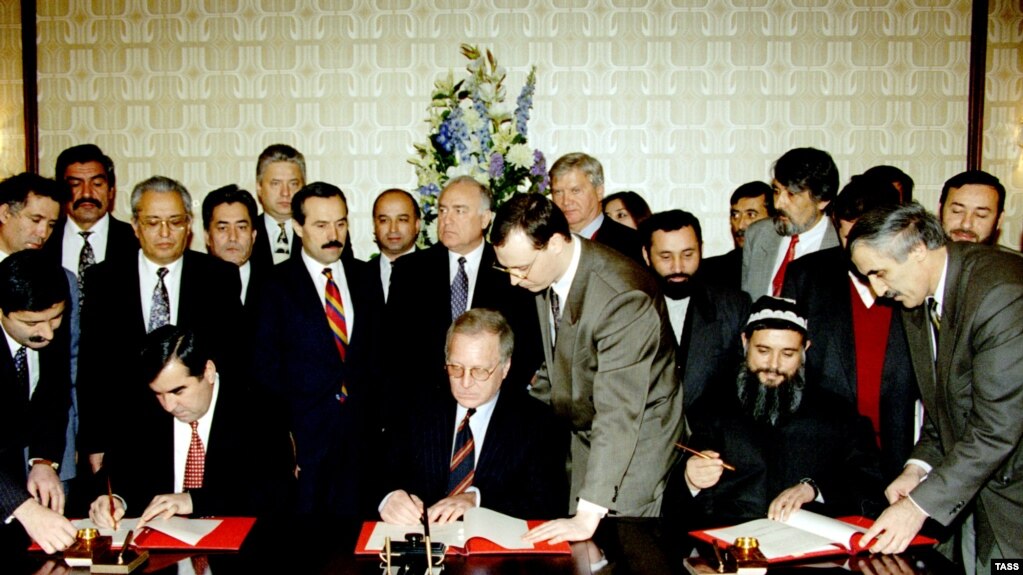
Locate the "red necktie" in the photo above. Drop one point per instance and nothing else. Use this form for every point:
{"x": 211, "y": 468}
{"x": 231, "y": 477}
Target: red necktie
{"x": 195, "y": 463}
{"x": 779, "y": 278}
{"x": 338, "y": 326}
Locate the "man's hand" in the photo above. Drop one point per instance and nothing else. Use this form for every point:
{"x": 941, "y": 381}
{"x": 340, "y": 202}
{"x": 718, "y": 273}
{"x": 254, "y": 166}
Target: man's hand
{"x": 96, "y": 462}
{"x": 910, "y": 477}
{"x": 402, "y": 509}
{"x": 165, "y": 507}
{"x": 578, "y": 528}
{"x": 789, "y": 500}
{"x": 99, "y": 511}
{"x": 896, "y": 527}
{"x": 451, "y": 508}
{"x": 46, "y": 527}
{"x": 704, "y": 473}
{"x": 45, "y": 486}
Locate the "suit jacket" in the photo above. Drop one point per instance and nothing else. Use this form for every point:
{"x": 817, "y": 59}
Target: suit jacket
{"x": 761, "y": 251}
{"x": 710, "y": 344}
{"x": 612, "y": 377}
{"x": 121, "y": 240}
{"x": 620, "y": 237}
{"x": 248, "y": 470}
{"x": 819, "y": 283}
{"x": 113, "y": 329}
{"x": 974, "y": 396}
{"x": 520, "y": 471}
{"x": 422, "y": 277}
{"x": 824, "y": 440}
{"x": 296, "y": 360}
{"x": 724, "y": 270}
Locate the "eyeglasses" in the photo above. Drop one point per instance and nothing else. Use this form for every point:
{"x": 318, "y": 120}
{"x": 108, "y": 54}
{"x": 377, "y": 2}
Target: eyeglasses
{"x": 174, "y": 223}
{"x": 478, "y": 374}
{"x": 519, "y": 272}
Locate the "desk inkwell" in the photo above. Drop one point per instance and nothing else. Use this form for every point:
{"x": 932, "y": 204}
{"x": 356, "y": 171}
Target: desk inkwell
{"x": 93, "y": 550}
{"x": 741, "y": 558}
{"x": 417, "y": 555}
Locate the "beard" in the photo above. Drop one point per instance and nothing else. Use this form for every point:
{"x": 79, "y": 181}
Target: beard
{"x": 769, "y": 405}
{"x": 791, "y": 227}
{"x": 676, "y": 290}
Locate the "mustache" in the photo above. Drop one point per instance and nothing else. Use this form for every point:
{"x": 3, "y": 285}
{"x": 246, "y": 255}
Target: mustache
{"x": 82, "y": 201}
{"x": 679, "y": 275}
{"x": 333, "y": 244}
{"x": 740, "y": 233}
{"x": 967, "y": 233}
{"x": 37, "y": 339}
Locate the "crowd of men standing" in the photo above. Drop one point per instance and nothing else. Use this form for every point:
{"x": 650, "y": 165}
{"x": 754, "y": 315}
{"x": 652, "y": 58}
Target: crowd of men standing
{"x": 538, "y": 360}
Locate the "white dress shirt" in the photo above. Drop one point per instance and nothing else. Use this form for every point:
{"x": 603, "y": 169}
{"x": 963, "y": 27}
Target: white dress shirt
{"x": 72, "y": 244}
{"x": 183, "y": 437}
{"x": 148, "y": 281}
{"x": 315, "y": 269}
{"x": 472, "y": 269}
{"x": 809, "y": 242}
{"x": 32, "y": 357}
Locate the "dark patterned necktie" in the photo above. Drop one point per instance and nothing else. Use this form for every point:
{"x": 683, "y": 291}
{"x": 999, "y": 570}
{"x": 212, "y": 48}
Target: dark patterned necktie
{"x": 463, "y": 459}
{"x": 86, "y": 258}
{"x": 281, "y": 248}
{"x": 459, "y": 291}
{"x": 556, "y": 312}
{"x": 932, "y": 313}
{"x": 159, "y": 313}
{"x": 21, "y": 370}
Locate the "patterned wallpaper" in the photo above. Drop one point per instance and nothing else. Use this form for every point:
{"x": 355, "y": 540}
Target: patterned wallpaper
{"x": 12, "y": 116}
{"x": 682, "y": 100}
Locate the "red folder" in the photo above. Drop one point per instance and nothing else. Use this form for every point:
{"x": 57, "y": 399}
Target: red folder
{"x": 228, "y": 536}
{"x": 474, "y": 546}
{"x": 852, "y": 547}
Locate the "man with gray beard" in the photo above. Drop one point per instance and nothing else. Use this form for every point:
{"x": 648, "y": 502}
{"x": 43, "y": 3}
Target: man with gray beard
{"x": 793, "y": 444}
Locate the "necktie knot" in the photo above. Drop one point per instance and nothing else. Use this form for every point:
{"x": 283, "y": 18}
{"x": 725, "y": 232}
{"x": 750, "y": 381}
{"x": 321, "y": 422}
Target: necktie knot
{"x": 195, "y": 425}
{"x": 162, "y": 273}
{"x": 85, "y": 236}
{"x": 330, "y": 274}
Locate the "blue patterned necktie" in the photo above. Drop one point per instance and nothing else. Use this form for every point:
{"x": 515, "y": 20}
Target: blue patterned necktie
{"x": 159, "y": 313}
{"x": 459, "y": 291}
{"x": 463, "y": 459}
{"x": 21, "y": 370}
{"x": 86, "y": 258}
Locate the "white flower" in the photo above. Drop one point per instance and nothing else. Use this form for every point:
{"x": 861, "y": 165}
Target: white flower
{"x": 520, "y": 156}
{"x": 472, "y": 118}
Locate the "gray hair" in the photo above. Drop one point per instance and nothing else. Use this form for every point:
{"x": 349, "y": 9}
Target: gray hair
{"x": 894, "y": 230}
{"x": 159, "y": 185}
{"x": 479, "y": 321}
{"x": 279, "y": 153}
{"x": 486, "y": 196}
{"x": 579, "y": 161}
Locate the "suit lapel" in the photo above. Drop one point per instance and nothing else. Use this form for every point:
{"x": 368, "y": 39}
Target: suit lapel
{"x": 918, "y": 335}
{"x": 951, "y": 323}
{"x": 847, "y": 339}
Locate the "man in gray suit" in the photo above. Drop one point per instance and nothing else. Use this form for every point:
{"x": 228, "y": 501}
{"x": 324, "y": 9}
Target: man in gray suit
{"x": 805, "y": 182}
{"x": 966, "y": 346}
{"x": 610, "y": 364}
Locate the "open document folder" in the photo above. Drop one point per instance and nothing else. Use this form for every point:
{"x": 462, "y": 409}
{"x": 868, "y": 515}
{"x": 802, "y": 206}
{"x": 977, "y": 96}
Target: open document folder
{"x": 481, "y": 531}
{"x": 215, "y": 534}
{"x": 805, "y": 534}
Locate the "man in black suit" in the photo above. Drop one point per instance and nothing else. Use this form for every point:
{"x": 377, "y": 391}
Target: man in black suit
{"x": 129, "y": 297}
{"x": 706, "y": 320}
{"x": 35, "y": 395}
{"x": 577, "y": 188}
{"x": 750, "y": 203}
{"x": 313, "y": 350}
{"x": 432, "y": 287}
{"x": 280, "y": 174}
{"x": 513, "y": 468}
{"x": 791, "y": 444}
{"x": 199, "y": 445}
{"x": 859, "y": 345}
{"x": 89, "y": 234}
{"x": 396, "y": 226}
{"x": 228, "y": 214}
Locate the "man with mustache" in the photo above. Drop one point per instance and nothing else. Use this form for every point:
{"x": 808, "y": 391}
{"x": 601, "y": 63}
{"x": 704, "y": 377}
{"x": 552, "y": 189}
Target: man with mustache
{"x": 228, "y": 214}
{"x": 706, "y": 321}
{"x": 971, "y": 207}
{"x": 793, "y": 444}
{"x": 805, "y": 182}
{"x": 313, "y": 350}
{"x": 750, "y": 203}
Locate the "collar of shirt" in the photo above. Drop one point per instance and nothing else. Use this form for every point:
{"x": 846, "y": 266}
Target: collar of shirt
{"x": 33, "y": 361}
{"x": 810, "y": 240}
{"x": 477, "y": 423}
{"x": 590, "y": 230}
{"x": 183, "y": 437}
{"x": 245, "y": 273}
{"x": 315, "y": 270}
{"x": 564, "y": 284}
{"x": 939, "y": 290}
{"x": 386, "y": 266}
{"x": 472, "y": 268}
{"x": 866, "y": 294}
{"x": 148, "y": 280}
{"x": 677, "y": 309}
{"x": 273, "y": 229}
{"x": 72, "y": 243}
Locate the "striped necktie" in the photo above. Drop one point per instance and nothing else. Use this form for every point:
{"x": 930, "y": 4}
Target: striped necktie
{"x": 338, "y": 326}
{"x": 463, "y": 459}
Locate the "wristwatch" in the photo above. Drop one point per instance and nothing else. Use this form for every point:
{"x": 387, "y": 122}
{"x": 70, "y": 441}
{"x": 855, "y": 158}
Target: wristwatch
{"x": 41, "y": 461}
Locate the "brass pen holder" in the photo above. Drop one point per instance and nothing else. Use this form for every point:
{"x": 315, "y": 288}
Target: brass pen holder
{"x": 88, "y": 545}
{"x": 747, "y": 554}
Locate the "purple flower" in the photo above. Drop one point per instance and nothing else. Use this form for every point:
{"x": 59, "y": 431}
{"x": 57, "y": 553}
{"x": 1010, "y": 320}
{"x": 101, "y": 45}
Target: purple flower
{"x": 524, "y": 103}
{"x": 496, "y": 166}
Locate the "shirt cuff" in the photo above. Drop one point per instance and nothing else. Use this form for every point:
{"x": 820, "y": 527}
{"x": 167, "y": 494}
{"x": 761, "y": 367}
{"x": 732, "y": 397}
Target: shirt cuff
{"x": 922, "y": 465}
{"x": 476, "y": 490}
{"x": 590, "y": 507}
{"x": 383, "y": 502}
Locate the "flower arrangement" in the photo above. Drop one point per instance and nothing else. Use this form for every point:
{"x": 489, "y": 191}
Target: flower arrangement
{"x": 472, "y": 133}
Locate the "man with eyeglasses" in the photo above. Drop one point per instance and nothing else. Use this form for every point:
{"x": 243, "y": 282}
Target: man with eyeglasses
{"x": 609, "y": 371}
{"x": 472, "y": 448}
{"x": 129, "y": 297}
{"x": 432, "y": 287}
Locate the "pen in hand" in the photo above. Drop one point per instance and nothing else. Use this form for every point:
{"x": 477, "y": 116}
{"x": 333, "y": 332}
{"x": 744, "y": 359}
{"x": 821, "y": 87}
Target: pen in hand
{"x": 703, "y": 455}
{"x": 110, "y": 498}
